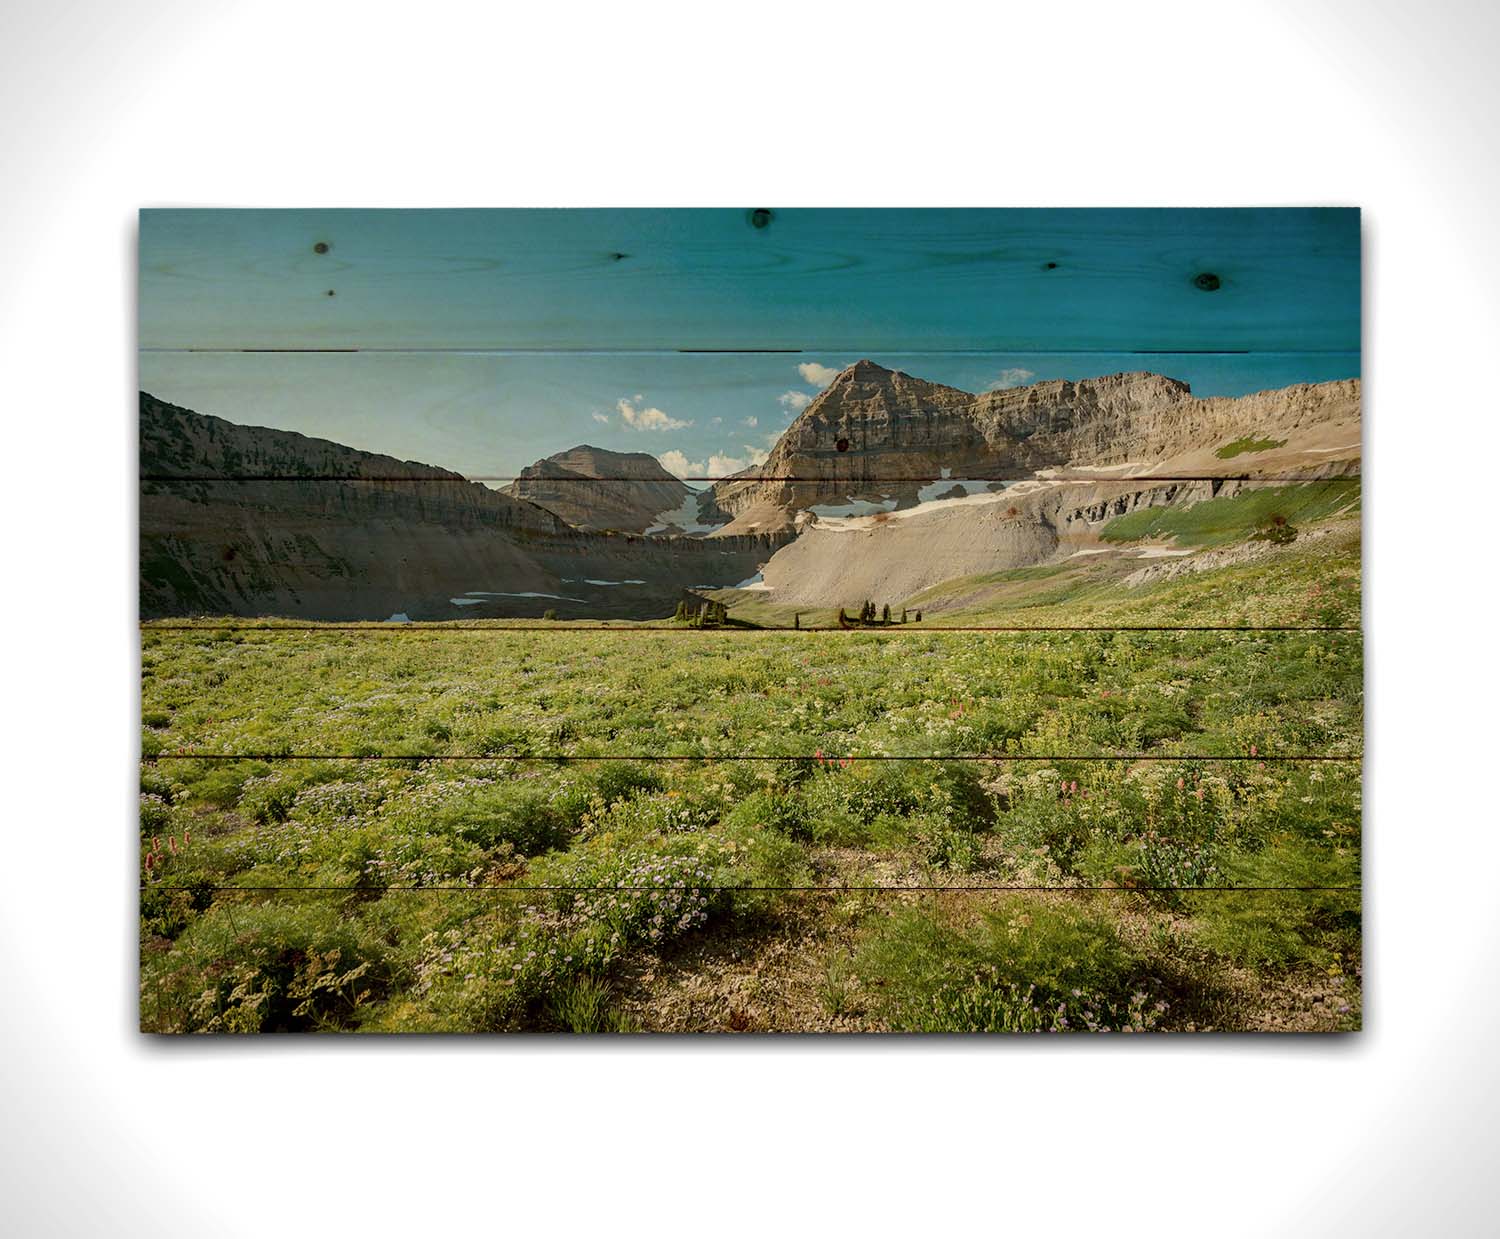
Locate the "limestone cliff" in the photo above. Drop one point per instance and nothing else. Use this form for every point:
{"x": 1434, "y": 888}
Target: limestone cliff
{"x": 593, "y": 488}
{"x": 877, "y": 432}
{"x": 245, "y": 520}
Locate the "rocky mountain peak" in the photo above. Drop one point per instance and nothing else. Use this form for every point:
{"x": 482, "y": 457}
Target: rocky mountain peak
{"x": 595, "y": 488}
{"x": 599, "y": 462}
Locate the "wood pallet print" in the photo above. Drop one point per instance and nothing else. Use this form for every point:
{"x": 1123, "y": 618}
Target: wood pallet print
{"x": 760, "y": 620}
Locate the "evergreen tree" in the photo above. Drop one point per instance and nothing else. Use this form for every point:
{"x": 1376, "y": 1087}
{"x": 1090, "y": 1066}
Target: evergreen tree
{"x": 903, "y": 615}
{"x": 797, "y": 620}
{"x": 885, "y": 614}
{"x": 919, "y": 617}
{"x": 843, "y": 619}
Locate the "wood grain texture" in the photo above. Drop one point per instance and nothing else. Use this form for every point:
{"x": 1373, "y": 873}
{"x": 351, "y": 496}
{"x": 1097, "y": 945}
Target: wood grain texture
{"x": 1256, "y": 279}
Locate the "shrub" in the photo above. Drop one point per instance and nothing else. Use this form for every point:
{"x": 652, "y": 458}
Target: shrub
{"x": 583, "y": 1005}
{"x": 615, "y": 780}
{"x": 781, "y": 811}
{"x": 270, "y": 967}
{"x": 1025, "y": 966}
{"x": 525, "y": 818}
{"x": 507, "y": 973}
{"x": 267, "y": 798}
{"x": 156, "y": 814}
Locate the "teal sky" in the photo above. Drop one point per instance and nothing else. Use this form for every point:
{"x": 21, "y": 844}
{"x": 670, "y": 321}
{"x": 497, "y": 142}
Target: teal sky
{"x": 482, "y": 340}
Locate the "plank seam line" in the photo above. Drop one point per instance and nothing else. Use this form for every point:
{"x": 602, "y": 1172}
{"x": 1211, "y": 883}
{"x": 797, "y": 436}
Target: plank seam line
{"x": 481, "y": 350}
{"x": 158, "y": 479}
{"x": 507, "y": 890}
{"x": 420, "y": 627}
{"x": 706, "y": 757}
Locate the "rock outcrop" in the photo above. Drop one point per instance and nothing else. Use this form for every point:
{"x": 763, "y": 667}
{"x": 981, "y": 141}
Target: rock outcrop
{"x": 592, "y": 488}
{"x": 875, "y": 432}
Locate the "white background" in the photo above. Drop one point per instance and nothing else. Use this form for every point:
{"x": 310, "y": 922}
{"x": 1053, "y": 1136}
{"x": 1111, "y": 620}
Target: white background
{"x": 109, "y": 106}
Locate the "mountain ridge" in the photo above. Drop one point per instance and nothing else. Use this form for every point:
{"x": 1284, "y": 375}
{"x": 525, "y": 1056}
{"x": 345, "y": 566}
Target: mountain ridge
{"x": 873, "y": 430}
{"x": 245, "y": 520}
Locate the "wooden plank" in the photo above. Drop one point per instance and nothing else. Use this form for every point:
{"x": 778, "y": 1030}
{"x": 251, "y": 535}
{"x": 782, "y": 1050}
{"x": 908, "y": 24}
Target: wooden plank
{"x": 841, "y": 960}
{"x": 652, "y": 695}
{"x": 489, "y": 416}
{"x": 863, "y": 280}
{"x": 286, "y": 824}
{"x": 1142, "y": 552}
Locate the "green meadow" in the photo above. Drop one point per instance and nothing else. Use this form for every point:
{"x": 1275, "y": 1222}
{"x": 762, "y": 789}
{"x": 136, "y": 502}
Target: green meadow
{"x": 489, "y": 827}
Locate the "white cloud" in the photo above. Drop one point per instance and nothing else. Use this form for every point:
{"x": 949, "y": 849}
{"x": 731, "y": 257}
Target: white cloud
{"x": 796, "y": 401}
{"x": 602, "y": 418}
{"x": 752, "y": 421}
{"x": 1015, "y": 376}
{"x": 675, "y": 462}
{"x": 818, "y": 376}
{"x": 718, "y": 464}
{"x": 638, "y": 418}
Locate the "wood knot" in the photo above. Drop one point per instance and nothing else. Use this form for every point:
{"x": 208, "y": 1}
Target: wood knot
{"x": 760, "y": 217}
{"x": 1206, "y": 281}
{"x": 321, "y": 247}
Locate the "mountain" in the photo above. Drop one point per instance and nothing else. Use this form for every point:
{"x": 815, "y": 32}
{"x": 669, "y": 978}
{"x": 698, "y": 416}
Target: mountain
{"x": 884, "y": 487}
{"x": 878, "y": 435}
{"x": 592, "y": 488}
{"x": 245, "y": 520}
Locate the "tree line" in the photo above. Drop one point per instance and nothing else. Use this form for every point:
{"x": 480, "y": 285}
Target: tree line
{"x": 868, "y": 617}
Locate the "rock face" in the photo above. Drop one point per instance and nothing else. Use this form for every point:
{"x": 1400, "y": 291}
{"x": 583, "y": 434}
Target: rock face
{"x": 876, "y": 433}
{"x": 591, "y": 488}
{"x": 244, "y": 520}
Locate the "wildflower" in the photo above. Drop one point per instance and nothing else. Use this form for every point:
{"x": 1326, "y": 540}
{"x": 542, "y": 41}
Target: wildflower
{"x": 1179, "y": 783}
{"x": 1254, "y": 752}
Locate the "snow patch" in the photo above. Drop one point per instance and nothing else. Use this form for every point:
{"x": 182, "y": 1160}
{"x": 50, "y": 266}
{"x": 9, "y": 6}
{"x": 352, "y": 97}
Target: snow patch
{"x": 971, "y": 486}
{"x": 851, "y": 507}
{"x": 476, "y": 596}
{"x": 684, "y": 517}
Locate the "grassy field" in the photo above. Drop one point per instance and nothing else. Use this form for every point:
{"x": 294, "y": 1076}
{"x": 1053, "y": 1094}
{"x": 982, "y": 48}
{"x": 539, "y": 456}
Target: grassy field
{"x": 1220, "y": 522}
{"x": 474, "y": 828}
